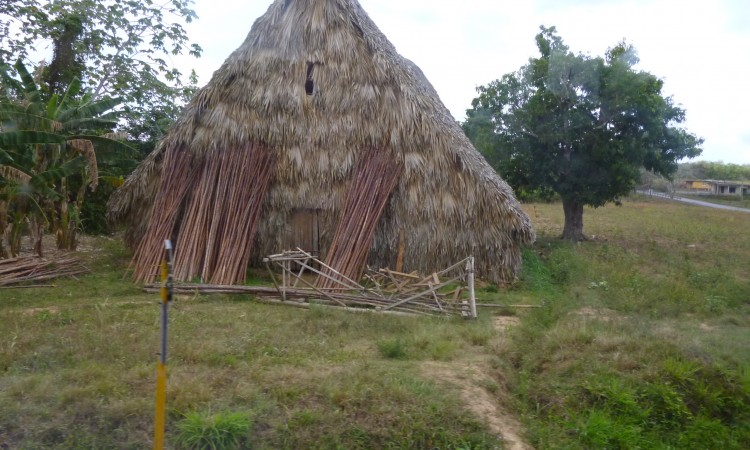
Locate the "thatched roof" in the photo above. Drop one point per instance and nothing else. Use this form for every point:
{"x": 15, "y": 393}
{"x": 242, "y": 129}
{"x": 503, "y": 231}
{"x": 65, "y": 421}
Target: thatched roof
{"x": 315, "y": 86}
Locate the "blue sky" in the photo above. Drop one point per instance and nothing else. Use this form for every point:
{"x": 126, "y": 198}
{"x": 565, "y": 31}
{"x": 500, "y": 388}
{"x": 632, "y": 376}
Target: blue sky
{"x": 700, "y": 48}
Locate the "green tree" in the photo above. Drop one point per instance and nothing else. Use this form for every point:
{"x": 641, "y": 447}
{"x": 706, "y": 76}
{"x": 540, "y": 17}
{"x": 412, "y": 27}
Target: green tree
{"x": 580, "y": 126}
{"x": 117, "y": 48}
{"x": 48, "y": 156}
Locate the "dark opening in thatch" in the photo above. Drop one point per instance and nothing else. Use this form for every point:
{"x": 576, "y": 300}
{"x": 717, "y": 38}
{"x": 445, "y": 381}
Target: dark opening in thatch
{"x": 309, "y": 82}
{"x": 375, "y": 153}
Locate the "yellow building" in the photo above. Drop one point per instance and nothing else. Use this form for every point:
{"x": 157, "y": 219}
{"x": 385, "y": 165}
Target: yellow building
{"x": 717, "y": 187}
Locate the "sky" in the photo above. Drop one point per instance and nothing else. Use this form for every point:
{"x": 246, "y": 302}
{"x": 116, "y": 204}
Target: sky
{"x": 700, "y": 48}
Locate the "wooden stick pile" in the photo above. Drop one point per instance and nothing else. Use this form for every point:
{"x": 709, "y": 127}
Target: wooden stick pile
{"x": 215, "y": 240}
{"x": 417, "y": 295}
{"x": 31, "y": 269}
{"x": 375, "y": 177}
{"x": 441, "y": 293}
{"x": 175, "y": 180}
{"x": 295, "y": 296}
{"x": 218, "y": 203}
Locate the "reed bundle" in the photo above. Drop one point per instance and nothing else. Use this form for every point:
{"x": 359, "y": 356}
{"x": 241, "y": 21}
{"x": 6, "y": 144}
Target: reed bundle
{"x": 375, "y": 177}
{"x": 222, "y": 199}
{"x": 216, "y": 237}
{"x": 175, "y": 181}
{"x": 31, "y": 269}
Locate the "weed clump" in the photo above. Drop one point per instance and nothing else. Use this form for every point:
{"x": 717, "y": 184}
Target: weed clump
{"x": 203, "y": 430}
{"x": 392, "y": 348}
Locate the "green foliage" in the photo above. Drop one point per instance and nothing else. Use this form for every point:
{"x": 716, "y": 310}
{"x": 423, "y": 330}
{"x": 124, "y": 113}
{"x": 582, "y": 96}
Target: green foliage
{"x": 116, "y": 48}
{"x": 579, "y": 126}
{"x": 94, "y": 210}
{"x": 54, "y": 150}
{"x": 706, "y": 170}
{"x": 392, "y": 348}
{"x": 214, "y": 431}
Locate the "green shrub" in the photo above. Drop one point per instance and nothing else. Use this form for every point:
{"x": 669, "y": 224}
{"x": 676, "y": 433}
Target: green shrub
{"x": 392, "y": 348}
{"x": 200, "y": 430}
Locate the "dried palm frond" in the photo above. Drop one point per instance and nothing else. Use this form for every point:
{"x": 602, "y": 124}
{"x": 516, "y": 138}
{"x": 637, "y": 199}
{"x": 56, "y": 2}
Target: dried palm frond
{"x": 86, "y": 148}
{"x": 116, "y": 136}
{"x": 11, "y": 173}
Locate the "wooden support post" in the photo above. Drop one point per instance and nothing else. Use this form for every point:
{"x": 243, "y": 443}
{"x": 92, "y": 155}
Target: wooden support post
{"x": 284, "y": 279}
{"x": 400, "y": 257}
{"x": 472, "y": 299}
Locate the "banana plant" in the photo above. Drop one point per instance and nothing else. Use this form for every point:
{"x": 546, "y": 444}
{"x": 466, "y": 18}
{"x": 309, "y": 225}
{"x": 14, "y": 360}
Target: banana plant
{"x": 48, "y": 157}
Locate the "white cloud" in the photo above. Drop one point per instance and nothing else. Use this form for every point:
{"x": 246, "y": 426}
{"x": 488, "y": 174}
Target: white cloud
{"x": 699, "y": 48}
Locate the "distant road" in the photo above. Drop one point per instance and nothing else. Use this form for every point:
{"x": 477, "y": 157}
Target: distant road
{"x": 693, "y": 202}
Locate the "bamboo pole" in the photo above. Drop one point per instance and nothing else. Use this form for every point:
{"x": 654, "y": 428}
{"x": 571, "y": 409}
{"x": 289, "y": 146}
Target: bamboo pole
{"x": 400, "y": 257}
{"x": 373, "y": 180}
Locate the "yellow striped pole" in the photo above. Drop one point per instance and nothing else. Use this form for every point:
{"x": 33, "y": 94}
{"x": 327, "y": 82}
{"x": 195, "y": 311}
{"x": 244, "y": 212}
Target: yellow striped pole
{"x": 161, "y": 368}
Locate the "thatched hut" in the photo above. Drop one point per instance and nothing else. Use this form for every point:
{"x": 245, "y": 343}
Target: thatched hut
{"x": 317, "y": 133}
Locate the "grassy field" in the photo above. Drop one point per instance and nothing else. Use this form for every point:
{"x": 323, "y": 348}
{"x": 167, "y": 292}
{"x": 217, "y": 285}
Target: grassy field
{"x": 643, "y": 342}
{"x": 646, "y": 340}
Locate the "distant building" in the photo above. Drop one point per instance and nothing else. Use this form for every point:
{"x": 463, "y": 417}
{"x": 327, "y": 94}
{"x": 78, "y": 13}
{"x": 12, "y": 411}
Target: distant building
{"x": 716, "y": 187}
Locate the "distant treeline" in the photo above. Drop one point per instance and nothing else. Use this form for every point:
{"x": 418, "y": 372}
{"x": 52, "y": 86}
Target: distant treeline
{"x": 700, "y": 170}
{"x": 705, "y": 170}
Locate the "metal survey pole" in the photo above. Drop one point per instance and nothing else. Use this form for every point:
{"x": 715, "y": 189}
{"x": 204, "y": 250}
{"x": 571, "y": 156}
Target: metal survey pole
{"x": 161, "y": 368}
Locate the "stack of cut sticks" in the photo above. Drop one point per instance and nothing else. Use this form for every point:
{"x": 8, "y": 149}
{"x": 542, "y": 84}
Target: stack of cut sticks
{"x": 374, "y": 179}
{"x": 34, "y": 269}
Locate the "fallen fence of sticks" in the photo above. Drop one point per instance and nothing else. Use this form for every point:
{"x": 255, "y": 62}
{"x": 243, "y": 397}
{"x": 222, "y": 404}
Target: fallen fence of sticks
{"x": 447, "y": 292}
{"x": 24, "y": 269}
{"x": 450, "y": 291}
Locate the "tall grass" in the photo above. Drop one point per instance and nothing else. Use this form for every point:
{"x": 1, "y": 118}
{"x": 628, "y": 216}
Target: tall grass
{"x": 644, "y": 344}
{"x": 217, "y": 431}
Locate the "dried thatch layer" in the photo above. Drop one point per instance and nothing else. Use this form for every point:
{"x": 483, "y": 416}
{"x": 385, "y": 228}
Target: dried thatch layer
{"x": 316, "y": 85}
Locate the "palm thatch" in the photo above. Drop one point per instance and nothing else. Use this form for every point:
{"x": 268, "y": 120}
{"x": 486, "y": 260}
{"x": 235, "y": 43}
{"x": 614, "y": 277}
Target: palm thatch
{"x": 317, "y": 111}
{"x": 86, "y": 148}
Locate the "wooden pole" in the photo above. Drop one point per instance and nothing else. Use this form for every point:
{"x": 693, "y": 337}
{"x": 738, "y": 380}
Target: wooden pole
{"x": 161, "y": 368}
{"x": 472, "y": 299}
{"x": 400, "y": 257}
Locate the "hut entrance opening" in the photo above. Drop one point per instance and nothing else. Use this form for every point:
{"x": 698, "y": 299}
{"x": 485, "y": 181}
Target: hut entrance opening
{"x": 303, "y": 232}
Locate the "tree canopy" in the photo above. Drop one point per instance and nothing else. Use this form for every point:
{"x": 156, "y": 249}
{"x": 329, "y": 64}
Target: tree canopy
{"x": 579, "y": 126}
{"x": 117, "y": 48}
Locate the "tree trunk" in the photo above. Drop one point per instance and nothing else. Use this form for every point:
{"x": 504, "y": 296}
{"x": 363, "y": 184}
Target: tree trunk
{"x": 573, "y": 230}
{"x": 36, "y": 231}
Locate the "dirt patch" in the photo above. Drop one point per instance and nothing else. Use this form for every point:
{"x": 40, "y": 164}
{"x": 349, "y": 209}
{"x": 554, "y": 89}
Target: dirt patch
{"x": 32, "y": 311}
{"x": 473, "y": 383}
{"x": 502, "y": 323}
{"x": 603, "y": 314}
{"x": 479, "y": 391}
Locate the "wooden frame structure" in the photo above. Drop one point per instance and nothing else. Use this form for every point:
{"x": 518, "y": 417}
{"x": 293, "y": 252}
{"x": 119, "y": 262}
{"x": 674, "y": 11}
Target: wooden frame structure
{"x": 449, "y": 291}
